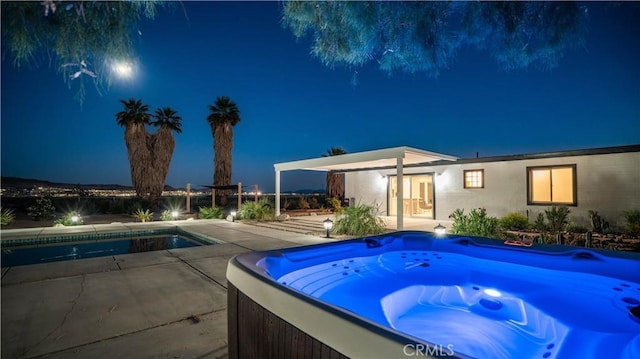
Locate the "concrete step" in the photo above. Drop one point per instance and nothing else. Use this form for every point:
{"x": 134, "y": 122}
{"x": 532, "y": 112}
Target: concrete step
{"x": 289, "y": 227}
{"x": 309, "y": 222}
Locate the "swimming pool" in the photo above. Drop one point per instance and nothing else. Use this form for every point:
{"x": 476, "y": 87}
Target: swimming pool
{"x": 412, "y": 294}
{"x": 45, "y": 251}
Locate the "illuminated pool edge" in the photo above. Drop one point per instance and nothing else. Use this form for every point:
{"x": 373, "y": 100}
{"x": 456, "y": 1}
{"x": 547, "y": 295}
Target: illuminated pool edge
{"x": 346, "y": 333}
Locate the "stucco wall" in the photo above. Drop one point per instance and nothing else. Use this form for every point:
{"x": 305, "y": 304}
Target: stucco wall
{"x": 607, "y": 183}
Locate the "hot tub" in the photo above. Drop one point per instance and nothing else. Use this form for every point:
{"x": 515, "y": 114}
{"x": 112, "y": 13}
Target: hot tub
{"x": 412, "y": 294}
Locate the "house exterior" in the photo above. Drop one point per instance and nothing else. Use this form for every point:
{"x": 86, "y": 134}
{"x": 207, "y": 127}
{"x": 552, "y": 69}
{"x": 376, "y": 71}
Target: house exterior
{"x": 606, "y": 180}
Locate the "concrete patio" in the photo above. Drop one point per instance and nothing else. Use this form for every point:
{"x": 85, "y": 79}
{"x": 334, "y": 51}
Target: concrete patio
{"x": 163, "y": 304}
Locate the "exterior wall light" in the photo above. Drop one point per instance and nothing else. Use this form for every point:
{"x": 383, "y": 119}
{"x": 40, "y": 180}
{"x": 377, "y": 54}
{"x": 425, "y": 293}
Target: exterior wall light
{"x": 440, "y": 229}
{"x": 233, "y": 216}
{"x": 328, "y": 226}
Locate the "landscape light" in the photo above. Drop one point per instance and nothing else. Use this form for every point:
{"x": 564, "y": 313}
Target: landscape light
{"x": 74, "y": 219}
{"x": 440, "y": 229}
{"x": 328, "y": 226}
{"x": 174, "y": 214}
{"x": 233, "y": 216}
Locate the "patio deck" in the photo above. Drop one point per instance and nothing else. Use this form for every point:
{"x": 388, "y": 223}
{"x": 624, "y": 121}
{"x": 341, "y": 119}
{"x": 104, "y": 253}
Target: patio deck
{"x": 169, "y": 303}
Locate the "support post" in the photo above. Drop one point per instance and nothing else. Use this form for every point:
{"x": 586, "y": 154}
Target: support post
{"x": 239, "y": 195}
{"x": 588, "y": 238}
{"x": 188, "y": 198}
{"x": 400, "y": 199}
{"x": 277, "y": 193}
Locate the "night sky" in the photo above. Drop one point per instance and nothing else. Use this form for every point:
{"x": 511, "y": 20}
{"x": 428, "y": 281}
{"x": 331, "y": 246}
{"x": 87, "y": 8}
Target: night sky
{"x": 292, "y": 107}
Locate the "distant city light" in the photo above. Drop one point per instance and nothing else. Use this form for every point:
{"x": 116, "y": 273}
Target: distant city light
{"x": 122, "y": 69}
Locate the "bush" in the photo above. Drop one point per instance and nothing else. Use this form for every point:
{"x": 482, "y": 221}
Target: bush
{"x": 143, "y": 215}
{"x": 574, "y": 228}
{"x": 334, "y": 204}
{"x": 303, "y": 203}
{"x": 43, "y": 209}
{"x": 476, "y": 223}
{"x": 539, "y": 224}
{"x": 210, "y": 213}
{"x": 557, "y": 218}
{"x": 514, "y": 221}
{"x": 68, "y": 219}
{"x": 261, "y": 210}
{"x": 598, "y": 224}
{"x": 359, "y": 220}
{"x": 167, "y": 215}
{"x": 7, "y": 216}
{"x": 632, "y": 219}
{"x": 137, "y": 204}
{"x": 286, "y": 204}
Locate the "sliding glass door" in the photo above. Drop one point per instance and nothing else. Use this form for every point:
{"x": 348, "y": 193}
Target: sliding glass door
{"x": 417, "y": 199}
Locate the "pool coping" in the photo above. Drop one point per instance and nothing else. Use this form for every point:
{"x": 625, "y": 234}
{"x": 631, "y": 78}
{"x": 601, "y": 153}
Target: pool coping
{"x": 47, "y": 235}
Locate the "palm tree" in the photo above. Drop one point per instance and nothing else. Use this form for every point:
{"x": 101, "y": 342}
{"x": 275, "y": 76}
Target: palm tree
{"x": 134, "y": 117}
{"x": 224, "y": 115}
{"x": 162, "y": 145}
{"x": 335, "y": 181}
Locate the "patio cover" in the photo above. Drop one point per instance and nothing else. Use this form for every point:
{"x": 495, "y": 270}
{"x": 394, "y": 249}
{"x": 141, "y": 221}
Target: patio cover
{"x": 396, "y": 157}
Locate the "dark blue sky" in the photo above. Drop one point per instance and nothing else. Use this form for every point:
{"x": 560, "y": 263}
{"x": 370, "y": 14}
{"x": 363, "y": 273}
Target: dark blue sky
{"x": 292, "y": 107}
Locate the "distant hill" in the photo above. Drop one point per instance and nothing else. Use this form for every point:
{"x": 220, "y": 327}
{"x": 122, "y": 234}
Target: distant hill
{"x": 306, "y": 191}
{"x": 28, "y": 183}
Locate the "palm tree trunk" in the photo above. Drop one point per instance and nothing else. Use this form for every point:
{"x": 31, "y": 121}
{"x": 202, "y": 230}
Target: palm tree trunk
{"x": 222, "y": 146}
{"x": 136, "y": 139}
{"x": 162, "y": 146}
{"x": 335, "y": 185}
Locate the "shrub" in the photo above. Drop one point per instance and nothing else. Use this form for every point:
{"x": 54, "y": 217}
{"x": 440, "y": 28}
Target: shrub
{"x": 42, "y": 209}
{"x": 514, "y": 221}
{"x": 210, "y": 213}
{"x": 303, "y": 203}
{"x": 574, "y": 228}
{"x": 539, "y": 224}
{"x": 143, "y": 215}
{"x": 7, "y": 215}
{"x": 68, "y": 219}
{"x": 138, "y": 204}
{"x": 334, "y": 204}
{"x": 598, "y": 224}
{"x": 117, "y": 206}
{"x": 476, "y": 223}
{"x": 632, "y": 219}
{"x": 261, "y": 210}
{"x": 286, "y": 204}
{"x": 167, "y": 215}
{"x": 557, "y": 218}
{"x": 359, "y": 220}
{"x": 313, "y": 203}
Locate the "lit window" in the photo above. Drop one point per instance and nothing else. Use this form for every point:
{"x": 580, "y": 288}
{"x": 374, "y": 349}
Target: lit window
{"x": 474, "y": 179}
{"x": 551, "y": 185}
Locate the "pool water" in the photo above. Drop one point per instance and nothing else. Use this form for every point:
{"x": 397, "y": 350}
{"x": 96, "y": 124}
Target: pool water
{"x": 533, "y": 305}
{"x": 90, "y": 249}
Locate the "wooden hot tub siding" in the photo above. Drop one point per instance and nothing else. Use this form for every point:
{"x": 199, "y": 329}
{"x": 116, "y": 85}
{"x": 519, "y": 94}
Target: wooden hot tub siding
{"x": 255, "y": 332}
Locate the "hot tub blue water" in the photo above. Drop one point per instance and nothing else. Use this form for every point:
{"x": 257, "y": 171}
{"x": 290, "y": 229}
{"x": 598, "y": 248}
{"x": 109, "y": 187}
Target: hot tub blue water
{"x": 474, "y": 297}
